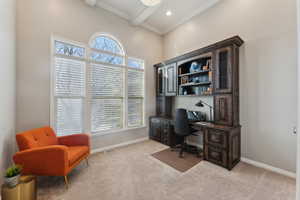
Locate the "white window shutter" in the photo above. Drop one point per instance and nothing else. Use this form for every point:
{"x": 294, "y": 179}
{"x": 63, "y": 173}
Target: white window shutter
{"x": 135, "y": 83}
{"x": 107, "y": 114}
{"x": 135, "y": 98}
{"x": 69, "y": 116}
{"x": 106, "y": 81}
{"x": 107, "y": 91}
{"x": 135, "y": 112}
{"x": 69, "y": 92}
{"x": 70, "y": 77}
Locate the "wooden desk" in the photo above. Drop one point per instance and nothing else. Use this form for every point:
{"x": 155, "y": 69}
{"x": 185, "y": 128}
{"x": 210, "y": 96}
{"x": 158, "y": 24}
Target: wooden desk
{"x": 221, "y": 144}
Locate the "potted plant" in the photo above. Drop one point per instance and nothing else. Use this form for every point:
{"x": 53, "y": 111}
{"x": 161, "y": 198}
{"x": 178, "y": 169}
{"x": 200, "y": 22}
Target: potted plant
{"x": 12, "y": 175}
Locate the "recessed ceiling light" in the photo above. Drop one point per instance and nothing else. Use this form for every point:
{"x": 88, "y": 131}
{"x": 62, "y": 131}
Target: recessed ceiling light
{"x": 150, "y": 3}
{"x": 169, "y": 13}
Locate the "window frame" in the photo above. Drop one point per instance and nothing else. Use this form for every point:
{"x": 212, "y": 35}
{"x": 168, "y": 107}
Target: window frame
{"x": 87, "y": 126}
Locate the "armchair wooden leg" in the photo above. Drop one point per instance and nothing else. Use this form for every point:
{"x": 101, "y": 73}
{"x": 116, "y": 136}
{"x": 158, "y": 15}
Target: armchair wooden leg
{"x": 66, "y": 182}
{"x": 87, "y": 162}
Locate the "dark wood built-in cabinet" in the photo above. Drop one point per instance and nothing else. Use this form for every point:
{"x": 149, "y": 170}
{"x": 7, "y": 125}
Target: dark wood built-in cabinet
{"x": 209, "y": 71}
{"x": 162, "y": 130}
{"x": 171, "y": 78}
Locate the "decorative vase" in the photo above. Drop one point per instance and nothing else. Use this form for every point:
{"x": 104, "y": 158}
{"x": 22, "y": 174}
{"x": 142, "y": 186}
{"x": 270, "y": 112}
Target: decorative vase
{"x": 195, "y": 67}
{"x": 12, "y": 181}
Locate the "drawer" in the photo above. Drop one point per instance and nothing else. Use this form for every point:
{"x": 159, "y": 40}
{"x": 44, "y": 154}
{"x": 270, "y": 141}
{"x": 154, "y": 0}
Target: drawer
{"x": 216, "y": 155}
{"x": 155, "y": 120}
{"x": 216, "y": 138}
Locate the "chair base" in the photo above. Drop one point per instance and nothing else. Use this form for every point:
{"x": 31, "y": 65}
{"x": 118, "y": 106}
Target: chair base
{"x": 184, "y": 147}
{"x": 66, "y": 182}
{"x": 66, "y": 177}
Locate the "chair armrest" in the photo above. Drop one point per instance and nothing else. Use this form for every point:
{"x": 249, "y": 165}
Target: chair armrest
{"x": 50, "y": 160}
{"x": 75, "y": 140}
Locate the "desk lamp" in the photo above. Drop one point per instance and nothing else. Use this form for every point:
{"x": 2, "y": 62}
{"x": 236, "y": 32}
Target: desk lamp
{"x": 202, "y": 104}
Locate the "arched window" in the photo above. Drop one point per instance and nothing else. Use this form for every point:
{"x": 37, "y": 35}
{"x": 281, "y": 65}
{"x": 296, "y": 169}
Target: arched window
{"x": 97, "y": 88}
{"x": 107, "y": 49}
{"x": 107, "y": 43}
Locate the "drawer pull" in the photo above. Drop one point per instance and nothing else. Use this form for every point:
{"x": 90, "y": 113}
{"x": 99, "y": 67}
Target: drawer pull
{"x": 215, "y": 138}
{"x": 215, "y": 154}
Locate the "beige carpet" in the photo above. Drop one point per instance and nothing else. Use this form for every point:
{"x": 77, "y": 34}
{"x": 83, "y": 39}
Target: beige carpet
{"x": 131, "y": 173}
{"x": 172, "y": 159}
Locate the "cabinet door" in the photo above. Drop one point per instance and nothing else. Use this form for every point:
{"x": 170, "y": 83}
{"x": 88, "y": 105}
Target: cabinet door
{"x": 165, "y": 132}
{"x": 171, "y": 80}
{"x": 223, "y": 110}
{"x": 160, "y": 85}
{"x": 216, "y": 155}
{"x": 155, "y": 129}
{"x": 216, "y": 138}
{"x": 223, "y": 71}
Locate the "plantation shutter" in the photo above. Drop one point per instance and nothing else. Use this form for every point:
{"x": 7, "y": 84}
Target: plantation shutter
{"x": 69, "y": 93}
{"x": 107, "y": 97}
{"x": 135, "y": 97}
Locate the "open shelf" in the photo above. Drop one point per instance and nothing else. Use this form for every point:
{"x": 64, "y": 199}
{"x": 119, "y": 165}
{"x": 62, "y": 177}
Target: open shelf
{"x": 194, "y": 73}
{"x": 195, "y": 76}
{"x": 195, "y": 84}
{"x": 194, "y": 95}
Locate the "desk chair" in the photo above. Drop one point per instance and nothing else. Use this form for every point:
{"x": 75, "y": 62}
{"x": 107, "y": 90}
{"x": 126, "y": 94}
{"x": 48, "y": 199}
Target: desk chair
{"x": 183, "y": 130}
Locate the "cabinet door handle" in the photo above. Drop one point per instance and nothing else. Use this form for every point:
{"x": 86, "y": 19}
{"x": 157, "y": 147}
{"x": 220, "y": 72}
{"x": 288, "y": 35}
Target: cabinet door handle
{"x": 214, "y": 154}
{"x": 215, "y": 138}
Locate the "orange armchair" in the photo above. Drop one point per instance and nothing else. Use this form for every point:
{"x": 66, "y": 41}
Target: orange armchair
{"x": 43, "y": 153}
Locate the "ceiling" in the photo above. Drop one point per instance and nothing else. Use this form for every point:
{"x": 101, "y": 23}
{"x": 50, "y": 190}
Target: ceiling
{"x": 154, "y": 18}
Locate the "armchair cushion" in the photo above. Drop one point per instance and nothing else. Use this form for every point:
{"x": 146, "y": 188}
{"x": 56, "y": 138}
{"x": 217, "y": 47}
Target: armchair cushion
{"x": 36, "y": 138}
{"x": 50, "y": 160}
{"x": 75, "y": 153}
{"x": 75, "y": 140}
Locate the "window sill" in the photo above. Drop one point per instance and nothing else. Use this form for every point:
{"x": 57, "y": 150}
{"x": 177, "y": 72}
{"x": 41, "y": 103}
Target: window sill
{"x": 95, "y": 134}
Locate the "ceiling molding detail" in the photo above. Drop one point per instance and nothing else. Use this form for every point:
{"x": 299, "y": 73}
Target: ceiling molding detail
{"x": 91, "y": 2}
{"x": 143, "y": 16}
{"x": 113, "y": 10}
{"x": 202, "y": 9}
{"x": 140, "y": 19}
{"x": 123, "y": 15}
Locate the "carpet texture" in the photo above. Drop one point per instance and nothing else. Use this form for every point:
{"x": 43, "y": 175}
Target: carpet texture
{"x": 172, "y": 159}
{"x": 131, "y": 173}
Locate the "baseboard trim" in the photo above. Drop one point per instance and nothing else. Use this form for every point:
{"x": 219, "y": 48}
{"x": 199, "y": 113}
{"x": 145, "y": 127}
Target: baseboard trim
{"x": 108, "y": 148}
{"x": 269, "y": 167}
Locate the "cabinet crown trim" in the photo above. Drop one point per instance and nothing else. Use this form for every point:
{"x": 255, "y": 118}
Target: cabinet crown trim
{"x": 235, "y": 40}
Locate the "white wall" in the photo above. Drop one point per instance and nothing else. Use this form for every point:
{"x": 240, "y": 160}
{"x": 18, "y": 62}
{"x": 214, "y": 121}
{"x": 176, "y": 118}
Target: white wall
{"x": 7, "y": 83}
{"x": 268, "y": 69}
{"x": 72, "y": 19}
{"x": 298, "y": 105}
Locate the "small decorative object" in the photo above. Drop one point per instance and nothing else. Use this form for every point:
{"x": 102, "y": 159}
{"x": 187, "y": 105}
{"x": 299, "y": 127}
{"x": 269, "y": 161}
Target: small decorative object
{"x": 180, "y": 91}
{"x": 195, "y": 67}
{"x": 184, "y": 79}
{"x": 198, "y": 91}
{"x": 208, "y": 64}
{"x": 209, "y": 76}
{"x": 185, "y": 92}
{"x": 12, "y": 175}
{"x": 196, "y": 79}
{"x": 209, "y": 90}
{"x": 205, "y": 68}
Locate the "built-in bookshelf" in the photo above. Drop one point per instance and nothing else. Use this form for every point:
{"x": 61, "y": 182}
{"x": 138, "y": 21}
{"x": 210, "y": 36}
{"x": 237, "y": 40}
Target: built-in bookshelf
{"x": 195, "y": 76}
